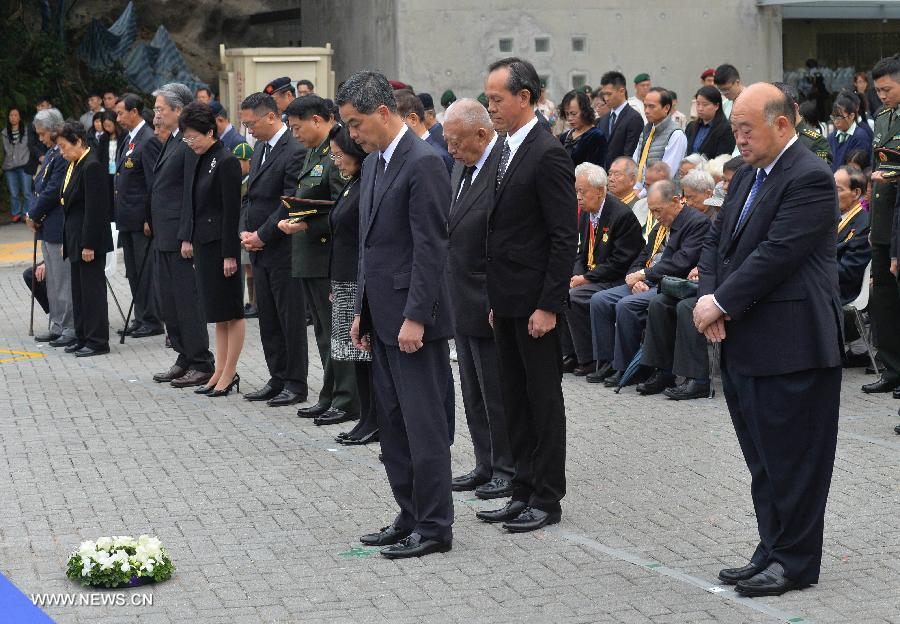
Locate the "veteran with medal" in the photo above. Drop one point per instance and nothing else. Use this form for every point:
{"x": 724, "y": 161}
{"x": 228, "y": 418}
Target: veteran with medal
{"x": 310, "y": 120}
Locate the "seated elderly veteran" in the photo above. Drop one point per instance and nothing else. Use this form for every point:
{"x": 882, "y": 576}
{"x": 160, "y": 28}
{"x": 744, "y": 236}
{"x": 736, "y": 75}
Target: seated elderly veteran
{"x": 622, "y": 178}
{"x": 618, "y": 314}
{"x": 610, "y": 241}
{"x": 696, "y": 187}
{"x": 655, "y": 172}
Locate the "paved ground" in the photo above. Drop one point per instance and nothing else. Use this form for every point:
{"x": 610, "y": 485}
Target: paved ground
{"x": 260, "y": 510}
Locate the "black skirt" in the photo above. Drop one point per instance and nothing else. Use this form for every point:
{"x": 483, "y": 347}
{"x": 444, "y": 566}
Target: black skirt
{"x": 222, "y": 297}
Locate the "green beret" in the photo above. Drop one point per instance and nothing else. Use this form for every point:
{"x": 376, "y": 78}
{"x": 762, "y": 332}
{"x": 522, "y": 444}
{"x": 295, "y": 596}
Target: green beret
{"x": 242, "y": 151}
{"x": 483, "y": 99}
{"x": 447, "y": 98}
{"x": 641, "y": 78}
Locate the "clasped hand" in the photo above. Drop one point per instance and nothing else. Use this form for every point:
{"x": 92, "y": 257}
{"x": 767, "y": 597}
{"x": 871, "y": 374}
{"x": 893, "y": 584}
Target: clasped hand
{"x": 709, "y": 319}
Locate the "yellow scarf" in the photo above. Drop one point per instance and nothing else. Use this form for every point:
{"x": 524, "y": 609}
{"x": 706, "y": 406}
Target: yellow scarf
{"x": 657, "y": 243}
{"x": 69, "y": 171}
{"x": 847, "y": 218}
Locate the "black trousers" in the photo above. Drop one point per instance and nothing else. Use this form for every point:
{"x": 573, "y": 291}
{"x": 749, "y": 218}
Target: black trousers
{"x": 479, "y": 377}
{"x": 182, "y": 312}
{"x": 415, "y": 443}
{"x": 40, "y": 290}
{"x": 671, "y": 342}
{"x": 531, "y": 381}
{"x": 368, "y": 416}
{"x": 144, "y": 292}
{"x": 282, "y": 327}
{"x": 338, "y": 379}
{"x": 89, "y": 303}
{"x": 884, "y": 308}
{"x": 787, "y": 428}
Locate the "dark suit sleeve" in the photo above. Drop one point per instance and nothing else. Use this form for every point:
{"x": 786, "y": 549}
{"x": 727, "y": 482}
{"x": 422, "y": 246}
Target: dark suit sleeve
{"x": 633, "y": 134}
{"x": 628, "y": 241}
{"x": 707, "y": 264}
{"x": 49, "y": 196}
{"x": 229, "y": 184}
{"x": 186, "y": 221}
{"x": 580, "y": 266}
{"x": 725, "y": 143}
{"x": 807, "y": 212}
{"x": 852, "y": 263}
{"x": 685, "y": 258}
{"x": 559, "y": 207}
{"x": 96, "y": 205}
{"x": 292, "y": 168}
{"x": 895, "y": 236}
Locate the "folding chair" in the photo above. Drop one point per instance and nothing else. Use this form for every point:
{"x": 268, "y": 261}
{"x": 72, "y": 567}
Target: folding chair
{"x": 110, "y": 268}
{"x": 855, "y": 307}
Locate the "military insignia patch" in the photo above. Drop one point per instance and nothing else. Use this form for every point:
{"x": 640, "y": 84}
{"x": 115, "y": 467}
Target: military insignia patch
{"x": 129, "y": 164}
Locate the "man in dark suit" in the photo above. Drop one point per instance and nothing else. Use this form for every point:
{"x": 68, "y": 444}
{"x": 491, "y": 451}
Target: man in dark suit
{"x": 475, "y": 146}
{"x": 170, "y": 219}
{"x": 531, "y": 243}
{"x": 135, "y": 160}
{"x": 611, "y": 239}
{"x": 274, "y": 172}
{"x": 410, "y": 108}
{"x": 622, "y": 125}
{"x": 769, "y": 292}
{"x": 403, "y": 312}
{"x": 227, "y": 133}
{"x": 435, "y": 129}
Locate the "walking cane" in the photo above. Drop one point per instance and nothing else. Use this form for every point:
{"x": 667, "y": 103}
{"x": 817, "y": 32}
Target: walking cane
{"x": 33, "y": 279}
{"x": 140, "y": 275}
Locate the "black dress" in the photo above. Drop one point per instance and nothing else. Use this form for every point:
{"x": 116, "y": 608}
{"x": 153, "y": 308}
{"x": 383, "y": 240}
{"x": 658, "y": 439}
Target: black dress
{"x": 587, "y": 147}
{"x": 217, "y": 209}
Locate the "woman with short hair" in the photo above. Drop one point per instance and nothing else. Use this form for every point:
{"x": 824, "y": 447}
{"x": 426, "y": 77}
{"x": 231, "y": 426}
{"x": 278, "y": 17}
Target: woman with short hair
{"x": 709, "y": 134}
{"x": 583, "y": 141}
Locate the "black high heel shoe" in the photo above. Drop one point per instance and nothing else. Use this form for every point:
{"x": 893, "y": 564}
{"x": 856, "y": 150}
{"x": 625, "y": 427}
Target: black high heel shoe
{"x": 204, "y": 389}
{"x": 235, "y": 383}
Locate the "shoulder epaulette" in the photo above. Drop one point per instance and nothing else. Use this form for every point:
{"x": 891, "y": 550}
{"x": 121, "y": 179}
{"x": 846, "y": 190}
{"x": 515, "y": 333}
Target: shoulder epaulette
{"x": 883, "y": 111}
{"x": 813, "y": 134}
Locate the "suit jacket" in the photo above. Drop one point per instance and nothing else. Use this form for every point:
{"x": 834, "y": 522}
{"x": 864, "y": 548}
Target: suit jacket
{"x": 625, "y": 135}
{"x": 861, "y": 139}
{"x": 171, "y": 198}
{"x": 468, "y": 240}
{"x": 718, "y": 141}
{"x": 853, "y": 255}
{"x": 436, "y": 132}
{"x": 231, "y": 138}
{"x": 777, "y": 277}
{"x": 403, "y": 243}
{"x": 86, "y": 205}
{"x": 134, "y": 179}
{"x": 343, "y": 262}
{"x": 216, "y": 200}
{"x": 682, "y": 251}
{"x": 46, "y": 209}
{"x": 532, "y": 229}
{"x": 441, "y": 147}
{"x": 618, "y": 240}
{"x": 261, "y": 208}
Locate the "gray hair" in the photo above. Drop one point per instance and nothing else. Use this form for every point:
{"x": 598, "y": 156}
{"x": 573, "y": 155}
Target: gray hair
{"x": 666, "y": 188}
{"x": 595, "y": 174}
{"x": 660, "y": 167}
{"x": 631, "y": 167}
{"x": 716, "y": 166}
{"x": 470, "y": 113}
{"x": 175, "y": 94}
{"x": 698, "y": 180}
{"x": 366, "y": 91}
{"x": 49, "y": 119}
{"x": 698, "y": 160}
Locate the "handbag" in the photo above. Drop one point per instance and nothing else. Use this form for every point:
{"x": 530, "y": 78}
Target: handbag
{"x": 677, "y": 287}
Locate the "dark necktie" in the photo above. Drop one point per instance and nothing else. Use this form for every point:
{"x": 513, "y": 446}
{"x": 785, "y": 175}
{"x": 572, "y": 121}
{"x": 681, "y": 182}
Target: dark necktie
{"x": 504, "y": 161}
{"x": 745, "y": 211}
{"x": 612, "y": 122}
{"x": 466, "y": 182}
{"x": 266, "y": 149}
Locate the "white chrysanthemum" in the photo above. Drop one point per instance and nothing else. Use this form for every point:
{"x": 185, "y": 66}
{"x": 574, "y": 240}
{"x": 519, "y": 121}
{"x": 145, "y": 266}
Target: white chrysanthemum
{"x": 104, "y": 543}
{"x": 87, "y": 567}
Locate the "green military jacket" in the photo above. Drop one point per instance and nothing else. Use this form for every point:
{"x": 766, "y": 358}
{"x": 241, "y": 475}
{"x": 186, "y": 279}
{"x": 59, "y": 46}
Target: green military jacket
{"x": 319, "y": 179}
{"x": 814, "y": 141}
{"x": 884, "y": 194}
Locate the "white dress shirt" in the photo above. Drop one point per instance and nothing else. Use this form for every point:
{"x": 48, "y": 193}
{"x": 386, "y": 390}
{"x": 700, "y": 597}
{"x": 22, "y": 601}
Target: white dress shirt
{"x": 135, "y": 130}
{"x": 516, "y": 139}
{"x": 273, "y": 142}
{"x": 389, "y": 150}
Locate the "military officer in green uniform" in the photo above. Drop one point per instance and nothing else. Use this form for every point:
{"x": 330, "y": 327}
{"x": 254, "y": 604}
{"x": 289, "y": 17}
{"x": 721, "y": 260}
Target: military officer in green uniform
{"x": 814, "y": 141}
{"x": 884, "y": 301}
{"x": 310, "y": 119}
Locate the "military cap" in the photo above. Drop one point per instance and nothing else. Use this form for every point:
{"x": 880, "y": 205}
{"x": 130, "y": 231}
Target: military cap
{"x": 641, "y": 78}
{"x": 447, "y": 98}
{"x": 278, "y": 84}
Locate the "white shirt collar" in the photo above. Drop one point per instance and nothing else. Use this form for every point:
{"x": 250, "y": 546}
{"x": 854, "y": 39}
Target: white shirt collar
{"x": 389, "y": 150}
{"x": 618, "y": 111}
{"x": 135, "y": 130}
{"x": 851, "y": 129}
{"x": 595, "y": 217}
{"x": 425, "y": 135}
{"x": 771, "y": 165}
{"x": 515, "y": 139}
{"x": 486, "y": 153}
{"x": 228, "y": 129}
{"x": 277, "y": 137}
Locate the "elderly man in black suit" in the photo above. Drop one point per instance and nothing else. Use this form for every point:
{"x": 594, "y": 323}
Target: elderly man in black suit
{"x": 475, "y": 146}
{"x": 611, "y": 239}
{"x": 403, "y": 312}
{"x": 135, "y": 160}
{"x": 274, "y": 172}
{"x": 769, "y": 293}
{"x": 531, "y": 243}
{"x": 622, "y": 124}
{"x": 171, "y": 220}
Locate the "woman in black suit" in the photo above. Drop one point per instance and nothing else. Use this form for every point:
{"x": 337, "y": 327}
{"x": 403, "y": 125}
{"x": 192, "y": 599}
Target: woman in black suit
{"x": 215, "y": 244}
{"x": 709, "y": 134}
{"x": 86, "y": 239}
{"x": 342, "y": 268}
{"x": 107, "y": 147}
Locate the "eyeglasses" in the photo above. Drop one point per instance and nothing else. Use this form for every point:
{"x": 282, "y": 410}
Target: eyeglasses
{"x": 189, "y": 140}
{"x": 839, "y": 117}
{"x": 158, "y": 110}
{"x": 335, "y": 157}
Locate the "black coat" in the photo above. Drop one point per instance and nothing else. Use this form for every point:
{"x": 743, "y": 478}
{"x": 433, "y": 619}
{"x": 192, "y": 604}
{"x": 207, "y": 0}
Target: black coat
{"x": 438, "y": 144}
{"x": 617, "y": 242}
{"x": 468, "y": 239}
{"x": 625, "y": 135}
{"x": 217, "y": 200}
{"x": 589, "y": 147}
{"x": 171, "y": 211}
{"x": 532, "y": 229}
{"x": 343, "y": 263}
{"x": 853, "y": 253}
{"x": 777, "y": 277}
{"x": 718, "y": 141}
{"x": 86, "y": 205}
{"x": 681, "y": 253}
{"x": 261, "y": 207}
{"x": 134, "y": 179}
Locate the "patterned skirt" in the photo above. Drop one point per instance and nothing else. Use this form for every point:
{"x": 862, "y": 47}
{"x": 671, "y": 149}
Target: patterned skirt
{"x": 343, "y": 299}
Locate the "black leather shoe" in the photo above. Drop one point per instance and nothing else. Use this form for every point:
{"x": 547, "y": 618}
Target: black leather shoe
{"x": 265, "y": 393}
{"x": 613, "y": 381}
{"x": 191, "y": 378}
{"x": 887, "y": 383}
{"x": 173, "y": 373}
{"x": 897, "y": 428}
{"x": 583, "y": 370}
{"x": 532, "y": 519}
{"x": 658, "y": 382}
{"x": 131, "y": 329}
{"x": 508, "y": 512}
{"x": 250, "y": 311}
{"x": 145, "y": 332}
{"x": 285, "y": 397}
{"x": 600, "y": 374}
{"x": 690, "y": 389}
{"x": 416, "y": 546}
{"x": 569, "y": 363}
{"x": 856, "y": 360}
{"x": 366, "y": 438}
{"x": 46, "y": 337}
{"x": 467, "y": 482}
{"x": 385, "y": 537}
{"x": 334, "y": 417}
{"x": 91, "y": 352}
{"x": 495, "y": 488}
{"x": 62, "y": 341}
{"x": 313, "y": 410}
{"x": 768, "y": 582}
{"x": 730, "y": 576}
{"x": 75, "y": 346}
{"x": 896, "y": 393}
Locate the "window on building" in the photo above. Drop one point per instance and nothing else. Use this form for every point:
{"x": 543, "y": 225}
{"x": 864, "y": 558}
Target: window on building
{"x": 542, "y": 44}
{"x": 506, "y": 44}
{"x": 578, "y": 44}
{"x": 579, "y": 80}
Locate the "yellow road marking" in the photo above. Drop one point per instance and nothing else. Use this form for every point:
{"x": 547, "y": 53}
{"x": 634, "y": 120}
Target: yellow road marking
{"x": 18, "y": 252}
{"x": 21, "y": 355}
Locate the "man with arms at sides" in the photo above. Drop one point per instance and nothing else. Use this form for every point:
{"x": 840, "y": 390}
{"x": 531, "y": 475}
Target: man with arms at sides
{"x": 475, "y": 146}
{"x": 769, "y": 292}
{"x": 531, "y": 243}
{"x": 410, "y": 109}
{"x": 622, "y": 125}
{"x": 403, "y": 312}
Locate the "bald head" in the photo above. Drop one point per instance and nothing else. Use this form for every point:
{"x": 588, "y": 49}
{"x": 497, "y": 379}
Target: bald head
{"x": 469, "y": 113}
{"x": 763, "y": 123}
{"x": 663, "y": 202}
{"x": 467, "y": 130}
